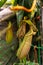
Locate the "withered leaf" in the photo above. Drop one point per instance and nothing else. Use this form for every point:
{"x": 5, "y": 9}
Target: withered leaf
{"x": 21, "y": 31}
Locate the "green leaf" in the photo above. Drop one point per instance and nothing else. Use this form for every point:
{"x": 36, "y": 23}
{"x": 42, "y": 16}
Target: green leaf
{"x": 27, "y": 63}
{"x": 2, "y": 2}
{"x": 19, "y": 16}
{"x": 20, "y": 13}
{"x": 15, "y": 2}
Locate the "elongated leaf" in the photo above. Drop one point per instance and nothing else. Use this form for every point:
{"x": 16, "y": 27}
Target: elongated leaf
{"x": 2, "y": 2}
{"x": 20, "y": 14}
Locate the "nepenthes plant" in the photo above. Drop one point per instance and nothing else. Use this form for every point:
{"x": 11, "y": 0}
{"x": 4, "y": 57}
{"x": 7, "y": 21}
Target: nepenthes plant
{"x": 27, "y": 13}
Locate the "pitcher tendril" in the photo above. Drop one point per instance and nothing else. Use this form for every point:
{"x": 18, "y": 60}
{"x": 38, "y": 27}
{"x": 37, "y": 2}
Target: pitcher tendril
{"x": 24, "y": 8}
